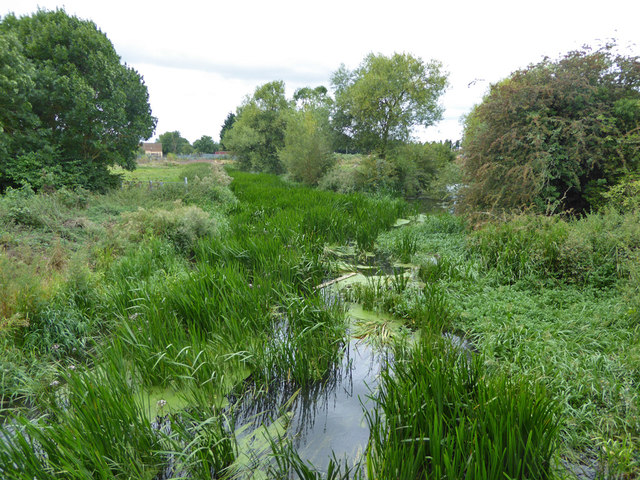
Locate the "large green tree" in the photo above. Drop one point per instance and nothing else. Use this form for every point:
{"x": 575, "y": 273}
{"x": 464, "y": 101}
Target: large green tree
{"x": 258, "y": 132}
{"x": 380, "y": 102}
{"x": 174, "y": 142}
{"x": 205, "y": 144}
{"x": 76, "y": 109}
{"x": 555, "y": 134}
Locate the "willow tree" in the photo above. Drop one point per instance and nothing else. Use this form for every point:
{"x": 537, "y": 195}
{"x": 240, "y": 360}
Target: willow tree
{"x": 555, "y": 135}
{"x": 381, "y": 101}
{"x": 258, "y": 131}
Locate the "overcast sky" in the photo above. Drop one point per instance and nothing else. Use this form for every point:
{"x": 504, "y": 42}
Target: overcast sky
{"x": 200, "y": 58}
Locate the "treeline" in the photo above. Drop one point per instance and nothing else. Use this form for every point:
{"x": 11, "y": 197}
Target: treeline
{"x": 560, "y": 135}
{"x": 371, "y": 113}
{"x": 174, "y": 143}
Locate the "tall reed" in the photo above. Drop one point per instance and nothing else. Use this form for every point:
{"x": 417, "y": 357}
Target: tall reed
{"x": 439, "y": 414}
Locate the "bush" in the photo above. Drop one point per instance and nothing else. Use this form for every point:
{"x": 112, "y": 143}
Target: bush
{"x": 307, "y": 152}
{"x": 625, "y": 195}
{"x": 183, "y": 226}
{"x": 340, "y": 178}
{"x": 597, "y": 249}
{"x": 554, "y": 135}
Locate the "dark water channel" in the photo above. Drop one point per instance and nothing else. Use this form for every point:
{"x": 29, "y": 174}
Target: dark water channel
{"x": 328, "y": 417}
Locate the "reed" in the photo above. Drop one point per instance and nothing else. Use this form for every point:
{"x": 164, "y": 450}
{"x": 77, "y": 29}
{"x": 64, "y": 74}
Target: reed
{"x": 438, "y": 414}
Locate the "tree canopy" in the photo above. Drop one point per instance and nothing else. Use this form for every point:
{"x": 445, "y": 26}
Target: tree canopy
{"x": 70, "y": 108}
{"x": 385, "y": 97}
{"x": 555, "y": 134}
{"x": 205, "y": 144}
{"x": 174, "y": 142}
{"x": 258, "y": 131}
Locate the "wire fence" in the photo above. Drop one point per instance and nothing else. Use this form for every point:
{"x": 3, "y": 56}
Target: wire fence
{"x": 151, "y": 184}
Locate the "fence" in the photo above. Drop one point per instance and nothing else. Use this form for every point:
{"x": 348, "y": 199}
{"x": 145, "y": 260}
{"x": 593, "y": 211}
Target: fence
{"x": 151, "y": 184}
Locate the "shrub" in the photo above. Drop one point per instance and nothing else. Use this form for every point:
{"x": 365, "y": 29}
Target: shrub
{"x": 597, "y": 249}
{"x": 183, "y": 226}
{"x": 307, "y": 152}
{"x": 554, "y": 134}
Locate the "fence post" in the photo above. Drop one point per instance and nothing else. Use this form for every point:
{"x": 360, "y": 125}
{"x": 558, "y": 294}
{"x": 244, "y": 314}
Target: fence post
{"x": 186, "y": 183}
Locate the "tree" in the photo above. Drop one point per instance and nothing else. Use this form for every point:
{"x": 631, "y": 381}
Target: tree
{"x": 555, "y": 134}
{"x": 205, "y": 144}
{"x": 307, "y": 152}
{"x": 385, "y": 97}
{"x": 258, "y": 132}
{"x": 83, "y": 110}
{"x": 307, "y": 97}
{"x": 173, "y": 142}
{"x": 226, "y": 126}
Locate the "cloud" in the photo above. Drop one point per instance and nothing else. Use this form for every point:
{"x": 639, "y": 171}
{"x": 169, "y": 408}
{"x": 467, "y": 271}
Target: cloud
{"x": 301, "y": 73}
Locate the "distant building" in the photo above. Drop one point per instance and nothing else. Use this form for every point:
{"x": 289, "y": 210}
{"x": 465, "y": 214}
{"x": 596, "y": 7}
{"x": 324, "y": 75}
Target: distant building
{"x": 152, "y": 149}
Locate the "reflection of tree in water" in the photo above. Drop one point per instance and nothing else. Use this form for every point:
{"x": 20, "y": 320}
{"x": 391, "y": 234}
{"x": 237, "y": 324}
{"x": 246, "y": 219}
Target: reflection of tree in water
{"x": 262, "y": 405}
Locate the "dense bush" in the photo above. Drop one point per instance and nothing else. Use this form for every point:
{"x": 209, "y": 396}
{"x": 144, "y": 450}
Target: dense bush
{"x": 69, "y": 108}
{"x": 410, "y": 170}
{"x": 555, "y": 135}
{"x": 183, "y": 226}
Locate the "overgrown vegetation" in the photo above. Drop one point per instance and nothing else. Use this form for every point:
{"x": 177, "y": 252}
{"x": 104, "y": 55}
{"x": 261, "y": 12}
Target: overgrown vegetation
{"x": 555, "y": 135}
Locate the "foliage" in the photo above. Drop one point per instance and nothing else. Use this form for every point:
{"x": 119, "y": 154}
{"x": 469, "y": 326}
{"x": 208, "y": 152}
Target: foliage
{"x": 226, "y": 126}
{"x": 440, "y": 415}
{"x": 410, "y": 170}
{"x": 75, "y": 109}
{"x": 385, "y": 97}
{"x": 173, "y": 142}
{"x": 554, "y": 135}
{"x": 182, "y": 226}
{"x": 312, "y": 98}
{"x": 598, "y": 249}
{"x": 307, "y": 151}
{"x": 99, "y": 411}
{"x": 625, "y": 195}
{"x": 205, "y": 144}
{"x": 258, "y": 131}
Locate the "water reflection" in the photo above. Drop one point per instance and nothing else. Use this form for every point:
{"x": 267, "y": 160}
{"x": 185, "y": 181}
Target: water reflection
{"x": 328, "y": 416}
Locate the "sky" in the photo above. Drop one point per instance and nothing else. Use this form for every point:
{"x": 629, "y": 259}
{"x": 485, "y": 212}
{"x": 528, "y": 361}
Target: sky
{"x": 199, "y": 59}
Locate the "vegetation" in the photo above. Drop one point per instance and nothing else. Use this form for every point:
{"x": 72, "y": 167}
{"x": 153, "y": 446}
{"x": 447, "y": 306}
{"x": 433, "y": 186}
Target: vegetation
{"x": 228, "y": 123}
{"x": 438, "y": 415}
{"x": 205, "y": 144}
{"x": 384, "y": 98}
{"x": 555, "y": 135}
{"x": 298, "y": 136}
{"x": 258, "y": 130}
{"x": 307, "y": 152}
{"x": 173, "y": 142}
{"x": 70, "y": 109}
{"x": 136, "y": 325}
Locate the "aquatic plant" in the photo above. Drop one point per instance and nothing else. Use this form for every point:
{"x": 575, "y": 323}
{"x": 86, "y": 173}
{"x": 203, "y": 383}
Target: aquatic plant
{"x": 439, "y": 414}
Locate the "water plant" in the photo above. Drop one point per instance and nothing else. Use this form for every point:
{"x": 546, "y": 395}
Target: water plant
{"x": 438, "y": 414}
